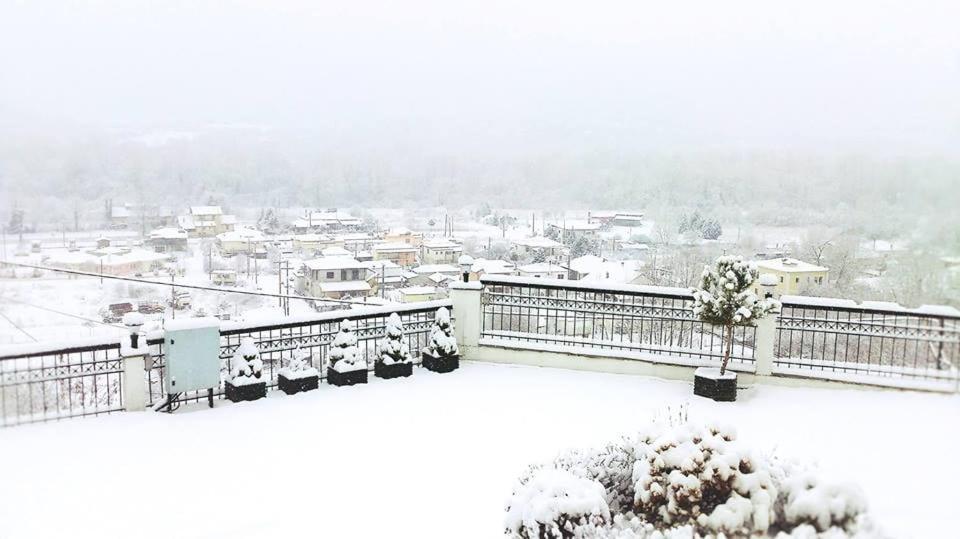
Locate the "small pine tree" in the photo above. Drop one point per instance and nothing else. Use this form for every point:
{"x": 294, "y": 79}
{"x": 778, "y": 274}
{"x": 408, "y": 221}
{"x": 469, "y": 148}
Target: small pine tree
{"x": 247, "y": 367}
{"x": 725, "y": 299}
{"x": 442, "y": 341}
{"x": 299, "y": 365}
{"x": 392, "y": 348}
{"x": 344, "y": 353}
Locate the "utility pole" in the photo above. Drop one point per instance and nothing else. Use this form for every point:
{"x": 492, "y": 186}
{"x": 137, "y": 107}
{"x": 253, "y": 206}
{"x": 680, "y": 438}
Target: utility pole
{"x": 173, "y": 296}
{"x": 383, "y": 278}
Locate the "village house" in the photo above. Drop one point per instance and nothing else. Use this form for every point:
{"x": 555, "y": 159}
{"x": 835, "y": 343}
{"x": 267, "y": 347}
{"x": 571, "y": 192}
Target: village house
{"x": 206, "y": 222}
{"x": 383, "y": 275}
{"x": 792, "y": 276}
{"x": 167, "y": 240}
{"x": 598, "y": 269}
{"x": 333, "y": 277}
{"x": 404, "y": 235}
{"x": 403, "y": 254}
{"x": 330, "y": 220}
{"x": 119, "y": 261}
{"x": 440, "y": 251}
{"x": 628, "y": 219}
{"x": 413, "y": 294}
{"x": 311, "y": 242}
{"x": 572, "y": 230}
{"x": 544, "y": 270}
{"x": 484, "y": 266}
{"x": 223, "y": 277}
{"x": 245, "y": 240}
{"x": 526, "y": 248}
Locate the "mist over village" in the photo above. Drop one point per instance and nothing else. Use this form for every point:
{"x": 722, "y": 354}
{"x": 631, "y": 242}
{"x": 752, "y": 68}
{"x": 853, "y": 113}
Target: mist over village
{"x": 624, "y": 270}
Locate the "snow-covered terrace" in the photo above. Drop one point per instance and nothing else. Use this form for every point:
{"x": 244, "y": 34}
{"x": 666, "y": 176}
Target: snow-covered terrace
{"x": 436, "y": 455}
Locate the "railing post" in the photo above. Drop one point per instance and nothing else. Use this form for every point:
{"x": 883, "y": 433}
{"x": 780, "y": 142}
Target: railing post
{"x": 466, "y": 314}
{"x": 765, "y": 342}
{"x": 134, "y": 353}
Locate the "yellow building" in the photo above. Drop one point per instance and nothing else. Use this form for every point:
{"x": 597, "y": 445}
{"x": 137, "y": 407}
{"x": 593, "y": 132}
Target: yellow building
{"x": 792, "y": 276}
{"x": 402, "y": 254}
{"x": 404, "y": 235}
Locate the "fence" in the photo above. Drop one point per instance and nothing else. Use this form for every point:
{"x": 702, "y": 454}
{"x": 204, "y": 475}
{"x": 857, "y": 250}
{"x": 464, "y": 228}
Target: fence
{"x": 47, "y": 384}
{"x": 834, "y": 338}
{"x": 654, "y": 320}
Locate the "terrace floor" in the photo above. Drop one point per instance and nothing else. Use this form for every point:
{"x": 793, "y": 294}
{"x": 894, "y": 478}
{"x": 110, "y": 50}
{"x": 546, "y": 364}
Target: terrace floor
{"x": 436, "y": 455}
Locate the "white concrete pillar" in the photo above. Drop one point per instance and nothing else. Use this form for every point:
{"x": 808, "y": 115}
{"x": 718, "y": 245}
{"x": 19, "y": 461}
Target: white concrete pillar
{"x": 134, "y": 383}
{"x": 466, "y": 314}
{"x": 765, "y": 342}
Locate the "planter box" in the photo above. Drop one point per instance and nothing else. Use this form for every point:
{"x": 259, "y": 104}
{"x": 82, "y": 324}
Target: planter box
{"x": 336, "y": 378}
{"x": 396, "y": 370}
{"x": 297, "y": 385}
{"x": 249, "y": 392}
{"x": 707, "y": 382}
{"x": 440, "y": 363}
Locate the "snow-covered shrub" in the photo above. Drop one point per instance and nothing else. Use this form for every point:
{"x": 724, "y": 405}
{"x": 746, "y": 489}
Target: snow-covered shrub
{"x": 393, "y": 348}
{"x": 552, "y": 503}
{"x": 344, "y": 352}
{"x": 725, "y": 298}
{"x": 298, "y": 366}
{"x": 805, "y": 499}
{"x": 680, "y": 480}
{"x": 246, "y": 366}
{"x": 442, "y": 342}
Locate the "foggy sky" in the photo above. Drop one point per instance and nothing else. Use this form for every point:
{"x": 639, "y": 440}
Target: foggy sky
{"x": 861, "y": 75}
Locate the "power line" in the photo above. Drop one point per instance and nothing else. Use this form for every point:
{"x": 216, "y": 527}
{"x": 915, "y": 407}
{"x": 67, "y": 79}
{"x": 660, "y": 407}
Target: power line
{"x": 95, "y": 321}
{"x": 176, "y": 285}
{"x": 14, "y": 324}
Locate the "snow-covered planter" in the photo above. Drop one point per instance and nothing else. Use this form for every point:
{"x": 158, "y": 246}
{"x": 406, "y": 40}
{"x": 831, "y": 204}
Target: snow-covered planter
{"x": 299, "y": 375}
{"x": 246, "y": 382}
{"x": 554, "y": 503}
{"x": 395, "y": 360}
{"x": 681, "y": 480}
{"x": 726, "y": 299}
{"x": 347, "y": 367}
{"x": 441, "y": 354}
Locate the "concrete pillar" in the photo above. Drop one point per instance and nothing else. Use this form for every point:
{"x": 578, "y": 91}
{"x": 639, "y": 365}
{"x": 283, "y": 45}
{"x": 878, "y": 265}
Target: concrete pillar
{"x": 134, "y": 383}
{"x": 765, "y": 342}
{"x": 466, "y": 314}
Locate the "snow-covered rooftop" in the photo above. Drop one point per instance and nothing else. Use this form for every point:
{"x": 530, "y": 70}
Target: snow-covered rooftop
{"x": 417, "y": 290}
{"x": 788, "y": 265}
{"x": 441, "y": 244}
{"x": 335, "y": 251}
{"x": 241, "y": 235}
{"x": 496, "y": 421}
{"x": 541, "y": 267}
{"x": 206, "y": 210}
{"x": 538, "y": 242}
{"x": 345, "y": 286}
{"x": 492, "y": 266}
{"x": 427, "y": 269}
{"x": 333, "y": 263}
{"x": 394, "y": 247}
{"x": 168, "y": 234}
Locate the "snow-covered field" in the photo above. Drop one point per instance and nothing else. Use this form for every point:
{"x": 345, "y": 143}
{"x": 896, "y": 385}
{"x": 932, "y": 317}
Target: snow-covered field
{"x": 436, "y": 455}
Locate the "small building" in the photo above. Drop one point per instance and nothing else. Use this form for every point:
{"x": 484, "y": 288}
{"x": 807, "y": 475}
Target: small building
{"x": 403, "y": 235}
{"x": 335, "y": 251}
{"x": 383, "y": 275}
{"x": 628, "y": 219}
{"x": 544, "y": 270}
{"x": 600, "y": 270}
{"x": 119, "y": 217}
{"x": 792, "y": 276}
{"x": 413, "y": 294}
{"x": 330, "y": 220}
{"x": 311, "y": 242}
{"x": 402, "y": 254}
{"x": 575, "y": 229}
{"x": 206, "y": 221}
{"x": 334, "y": 277}
{"x": 223, "y": 277}
{"x": 245, "y": 240}
{"x": 445, "y": 269}
{"x": 440, "y": 251}
{"x": 484, "y": 266}
{"x": 167, "y": 240}
{"x": 527, "y": 247}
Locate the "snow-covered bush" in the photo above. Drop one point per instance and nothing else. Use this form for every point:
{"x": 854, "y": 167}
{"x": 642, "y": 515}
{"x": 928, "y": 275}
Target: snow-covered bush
{"x": 682, "y": 480}
{"x": 344, "y": 352}
{"x": 442, "y": 342}
{"x": 393, "y": 349}
{"x": 725, "y": 298}
{"x": 552, "y": 503}
{"x": 298, "y": 366}
{"x": 246, "y": 366}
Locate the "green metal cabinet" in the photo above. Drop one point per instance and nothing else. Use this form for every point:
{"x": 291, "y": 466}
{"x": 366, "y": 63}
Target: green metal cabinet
{"x": 192, "y": 349}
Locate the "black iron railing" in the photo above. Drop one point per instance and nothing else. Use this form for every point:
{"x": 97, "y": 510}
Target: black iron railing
{"x": 572, "y": 314}
{"x": 892, "y": 342}
{"x": 56, "y": 382}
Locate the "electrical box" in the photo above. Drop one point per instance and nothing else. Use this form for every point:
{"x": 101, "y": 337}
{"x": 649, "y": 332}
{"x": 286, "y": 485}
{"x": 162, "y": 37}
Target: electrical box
{"x": 192, "y": 349}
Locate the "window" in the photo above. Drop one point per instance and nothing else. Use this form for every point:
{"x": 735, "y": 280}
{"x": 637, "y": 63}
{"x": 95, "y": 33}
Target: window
{"x": 329, "y": 275}
{"x": 781, "y": 278}
{"x": 560, "y": 276}
{"x": 343, "y": 275}
{"x": 355, "y": 274}
{"x": 797, "y": 280}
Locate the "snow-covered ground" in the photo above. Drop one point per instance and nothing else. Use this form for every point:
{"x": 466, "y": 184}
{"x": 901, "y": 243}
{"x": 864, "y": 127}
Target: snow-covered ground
{"x": 436, "y": 455}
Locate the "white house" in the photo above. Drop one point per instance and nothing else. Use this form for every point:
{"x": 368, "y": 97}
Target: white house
{"x": 440, "y": 251}
{"x": 544, "y": 270}
{"x": 334, "y": 277}
{"x": 245, "y": 240}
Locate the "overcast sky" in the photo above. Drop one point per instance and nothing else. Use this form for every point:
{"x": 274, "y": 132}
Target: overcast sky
{"x": 832, "y": 74}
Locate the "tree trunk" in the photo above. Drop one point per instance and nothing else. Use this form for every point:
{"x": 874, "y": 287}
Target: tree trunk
{"x": 728, "y": 336}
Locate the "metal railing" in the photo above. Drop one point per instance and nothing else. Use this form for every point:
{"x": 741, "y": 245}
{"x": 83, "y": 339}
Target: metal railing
{"x": 835, "y": 339}
{"x": 48, "y": 383}
{"x": 572, "y": 314}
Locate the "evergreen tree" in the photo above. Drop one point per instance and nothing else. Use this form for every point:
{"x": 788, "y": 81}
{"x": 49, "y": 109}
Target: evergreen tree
{"x": 725, "y": 299}
{"x": 344, "y": 352}
{"x": 442, "y": 341}
{"x": 393, "y": 349}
